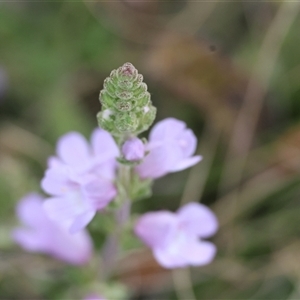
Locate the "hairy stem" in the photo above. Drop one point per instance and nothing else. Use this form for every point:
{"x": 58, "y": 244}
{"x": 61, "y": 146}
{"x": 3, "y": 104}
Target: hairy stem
{"x": 112, "y": 247}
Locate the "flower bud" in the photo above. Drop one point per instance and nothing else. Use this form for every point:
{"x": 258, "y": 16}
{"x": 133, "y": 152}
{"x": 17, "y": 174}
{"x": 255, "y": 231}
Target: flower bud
{"x": 133, "y": 149}
{"x": 126, "y": 105}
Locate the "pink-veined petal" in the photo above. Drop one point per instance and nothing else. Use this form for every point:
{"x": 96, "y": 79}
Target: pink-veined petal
{"x": 73, "y": 149}
{"x": 186, "y": 163}
{"x": 156, "y": 229}
{"x": 198, "y": 219}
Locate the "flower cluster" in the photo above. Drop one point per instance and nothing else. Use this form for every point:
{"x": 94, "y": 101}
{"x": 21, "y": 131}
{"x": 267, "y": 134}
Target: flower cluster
{"x": 171, "y": 146}
{"x": 84, "y": 178}
{"x": 80, "y": 179}
{"x": 174, "y": 238}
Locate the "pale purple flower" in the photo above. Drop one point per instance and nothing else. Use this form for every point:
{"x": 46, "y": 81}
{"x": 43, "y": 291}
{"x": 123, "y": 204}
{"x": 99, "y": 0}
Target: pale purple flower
{"x": 171, "y": 146}
{"x": 133, "y": 149}
{"x": 80, "y": 178}
{"x": 93, "y": 297}
{"x": 175, "y": 237}
{"x": 40, "y": 234}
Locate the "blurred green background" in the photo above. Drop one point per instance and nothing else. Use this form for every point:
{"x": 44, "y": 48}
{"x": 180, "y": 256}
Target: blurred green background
{"x": 230, "y": 70}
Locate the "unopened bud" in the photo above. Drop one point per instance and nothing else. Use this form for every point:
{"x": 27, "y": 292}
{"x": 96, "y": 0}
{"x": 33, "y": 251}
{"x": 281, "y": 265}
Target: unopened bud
{"x": 126, "y": 105}
{"x": 133, "y": 149}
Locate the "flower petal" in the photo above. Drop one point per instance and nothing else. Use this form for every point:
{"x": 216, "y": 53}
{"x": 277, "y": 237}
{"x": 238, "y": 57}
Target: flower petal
{"x": 57, "y": 182}
{"x": 197, "y": 219}
{"x": 199, "y": 253}
{"x": 64, "y": 210}
{"x": 183, "y": 251}
{"x": 28, "y": 239}
{"x": 187, "y": 142}
{"x": 82, "y": 221}
{"x": 29, "y": 211}
{"x": 73, "y": 149}
{"x": 103, "y": 144}
{"x": 43, "y": 235}
{"x": 170, "y": 258}
{"x": 169, "y": 128}
{"x": 106, "y": 170}
{"x": 156, "y": 229}
{"x": 99, "y": 192}
{"x": 186, "y": 163}
{"x": 74, "y": 248}
{"x": 159, "y": 161}
{"x": 54, "y": 162}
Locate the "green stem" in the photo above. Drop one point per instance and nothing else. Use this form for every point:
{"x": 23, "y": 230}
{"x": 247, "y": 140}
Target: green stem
{"x": 112, "y": 248}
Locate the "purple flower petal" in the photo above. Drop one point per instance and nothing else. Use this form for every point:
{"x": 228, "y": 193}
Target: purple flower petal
{"x": 105, "y": 170}
{"x": 73, "y": 149}
{"x": 187, "y": 142}
{"x": 156, "y": 229}
{"x": 158, "y": 162}
{"x": 57, "y": 181}
{"x": 103, "y": 144}
{"x": 54, "y": 162}
{"x": 170, "y": 145}
{"x": 199, "y": 253}
{"x": 198, "y": 219}
{"x": 186, "y": 163}
{"x": 81, "y": 221}
{"x": 167, "y": 129}
{"x": 28, "y": 209}
{"x": 171, "y": 257}
{"x": 65, "y": 210}
{"x": 81, "y": 178}
{"x": 174, "y": 238}
{"x": 99, "y": 193}
{"x": 43, "y": 235}
{"x": 28, "y": 239}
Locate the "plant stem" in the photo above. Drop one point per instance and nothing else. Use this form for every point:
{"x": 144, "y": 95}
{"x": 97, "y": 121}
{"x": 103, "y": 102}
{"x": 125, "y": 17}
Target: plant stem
{"x": 112, "y": 246}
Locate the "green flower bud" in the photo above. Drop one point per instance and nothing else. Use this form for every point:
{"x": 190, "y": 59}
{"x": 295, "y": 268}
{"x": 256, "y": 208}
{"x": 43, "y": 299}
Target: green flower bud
{"x": 126, "y": 104}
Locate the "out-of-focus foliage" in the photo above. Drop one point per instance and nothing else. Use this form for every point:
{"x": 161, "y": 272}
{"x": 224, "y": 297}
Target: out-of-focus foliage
{"x": 230, "y": 70}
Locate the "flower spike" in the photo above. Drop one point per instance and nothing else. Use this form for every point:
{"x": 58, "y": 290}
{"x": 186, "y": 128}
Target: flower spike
{"x": 126, "y": 105}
